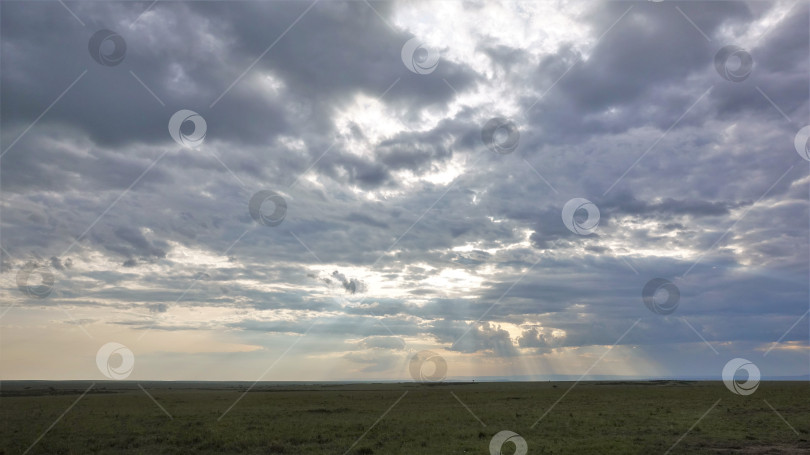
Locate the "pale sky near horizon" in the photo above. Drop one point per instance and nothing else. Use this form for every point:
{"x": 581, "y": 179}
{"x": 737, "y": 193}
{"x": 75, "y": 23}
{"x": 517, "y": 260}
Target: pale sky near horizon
{"x": 404, "y": 230}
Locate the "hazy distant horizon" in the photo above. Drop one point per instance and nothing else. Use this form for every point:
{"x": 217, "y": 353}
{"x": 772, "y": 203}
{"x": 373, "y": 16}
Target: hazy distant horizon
{"x": 570, "y": 379}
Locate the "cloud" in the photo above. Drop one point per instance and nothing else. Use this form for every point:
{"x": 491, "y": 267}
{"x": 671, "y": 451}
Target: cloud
{"x": 403, "y": 229}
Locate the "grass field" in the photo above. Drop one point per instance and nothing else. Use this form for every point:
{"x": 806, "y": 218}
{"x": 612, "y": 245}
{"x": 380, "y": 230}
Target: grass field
{"x": 406, "y": 418}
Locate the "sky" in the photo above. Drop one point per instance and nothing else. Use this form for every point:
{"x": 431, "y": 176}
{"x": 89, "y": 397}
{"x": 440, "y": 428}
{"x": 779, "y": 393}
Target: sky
{"x": 411, "y": 190}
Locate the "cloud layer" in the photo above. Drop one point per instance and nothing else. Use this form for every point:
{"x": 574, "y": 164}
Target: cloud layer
{"x": 403, "y": 230}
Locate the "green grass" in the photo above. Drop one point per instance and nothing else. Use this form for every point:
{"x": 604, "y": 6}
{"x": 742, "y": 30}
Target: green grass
{"x": 593, "y": 418}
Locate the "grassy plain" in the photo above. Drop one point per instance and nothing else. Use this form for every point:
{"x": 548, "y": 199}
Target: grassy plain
{"x": 449, "y": 418}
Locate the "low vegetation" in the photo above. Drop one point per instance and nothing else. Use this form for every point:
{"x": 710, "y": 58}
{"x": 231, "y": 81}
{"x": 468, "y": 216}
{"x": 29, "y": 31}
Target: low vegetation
{"x": 593, "y": 418}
